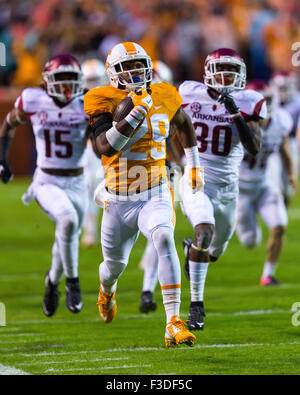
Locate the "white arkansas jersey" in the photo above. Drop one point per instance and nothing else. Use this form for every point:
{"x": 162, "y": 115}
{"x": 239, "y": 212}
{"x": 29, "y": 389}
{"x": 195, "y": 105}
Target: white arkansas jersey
{"x": 219, "y": 145}
{"x": 253, "y": 168}
{"x": 60, "y": 132}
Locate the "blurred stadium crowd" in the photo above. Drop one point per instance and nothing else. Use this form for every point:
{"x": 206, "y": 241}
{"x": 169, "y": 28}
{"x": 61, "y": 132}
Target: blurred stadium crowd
{"x": 178, "y": 32}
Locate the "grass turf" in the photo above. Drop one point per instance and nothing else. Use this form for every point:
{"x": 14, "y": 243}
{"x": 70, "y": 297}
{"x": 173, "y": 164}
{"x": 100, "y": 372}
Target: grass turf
{"x": 248, "y": 328}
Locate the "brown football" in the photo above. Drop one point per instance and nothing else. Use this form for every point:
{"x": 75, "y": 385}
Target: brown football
{"x": 123, "y": 109}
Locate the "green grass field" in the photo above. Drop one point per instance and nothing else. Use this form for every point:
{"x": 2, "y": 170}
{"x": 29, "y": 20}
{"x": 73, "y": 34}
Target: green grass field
{"x": 248, "y": 328}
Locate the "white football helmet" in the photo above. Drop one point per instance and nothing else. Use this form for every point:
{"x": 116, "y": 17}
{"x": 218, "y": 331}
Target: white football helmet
{"x": 121, "y": 77}
{"x": 161, "y": 72}
{"x": 94, "y": 73}
{"x": 218, "y": 80}
{"x": 63, "y": 77}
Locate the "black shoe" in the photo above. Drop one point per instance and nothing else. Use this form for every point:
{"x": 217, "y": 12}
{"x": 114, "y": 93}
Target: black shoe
{"x": 73, "y": 296}
{"x": 186, "y": 249}
{"x": 195, "y": 321}
{"x": 51, "y": 297}
{"x": 213, "y": 258}
{"x": 147, "y": 302}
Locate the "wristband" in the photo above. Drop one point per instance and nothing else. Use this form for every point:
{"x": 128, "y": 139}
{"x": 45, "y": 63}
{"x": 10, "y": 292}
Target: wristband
{"x": 5, "y": 142}
{"x": 136, "y": 116}
{"x": 116, "y": 139}
{"x": 192, "y": 156}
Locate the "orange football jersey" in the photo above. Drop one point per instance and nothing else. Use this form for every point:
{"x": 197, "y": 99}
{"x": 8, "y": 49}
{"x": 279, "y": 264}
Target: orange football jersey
{"x": 140, "y": 165}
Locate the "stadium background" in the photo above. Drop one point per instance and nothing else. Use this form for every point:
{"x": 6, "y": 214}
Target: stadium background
{"x": 179, "y": 32}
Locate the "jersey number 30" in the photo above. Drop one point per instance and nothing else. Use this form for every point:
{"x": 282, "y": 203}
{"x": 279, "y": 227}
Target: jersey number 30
{"x": 217, "y": 132}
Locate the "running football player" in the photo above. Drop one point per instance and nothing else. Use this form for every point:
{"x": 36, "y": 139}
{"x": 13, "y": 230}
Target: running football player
{"x": 59, "y": 186}
{"x": 137, "y": 196}
{"x": 226, "y": 121}
{"x": 284, "y": 85}
{"x": 256, "y": 195}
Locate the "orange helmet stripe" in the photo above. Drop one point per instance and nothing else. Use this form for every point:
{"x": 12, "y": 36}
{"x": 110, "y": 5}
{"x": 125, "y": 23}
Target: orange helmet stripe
{"x": 130, "y": 48}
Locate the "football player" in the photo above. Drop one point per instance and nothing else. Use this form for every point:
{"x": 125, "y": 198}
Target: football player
{"x": 149, "y": 262}
{"x": 59, "y": 186}
{"x": 256, "y": 195}
{"x": 136, "y": 195}
{"x": 284, "y": 85}
{"x": 94, "y": 74}
{"x": 226, "y": 121}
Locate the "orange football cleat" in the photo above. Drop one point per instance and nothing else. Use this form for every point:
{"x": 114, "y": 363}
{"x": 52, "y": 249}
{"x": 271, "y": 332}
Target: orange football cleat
{"x": 176, "y": 333}
{"x": 107, "y": 306}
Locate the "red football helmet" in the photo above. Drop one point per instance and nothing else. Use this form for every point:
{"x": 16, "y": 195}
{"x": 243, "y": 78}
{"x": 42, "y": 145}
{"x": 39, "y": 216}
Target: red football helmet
{"x": 63, "y": 77}
{"x": 225, "y": 70}
{"x": 284, "y": 84}
{"x": 268, "y": 93}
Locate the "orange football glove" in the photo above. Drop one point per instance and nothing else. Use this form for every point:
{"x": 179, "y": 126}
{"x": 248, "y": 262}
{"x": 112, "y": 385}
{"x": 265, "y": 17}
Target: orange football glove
{"x": 142, "y": 98}
{"x": 196, "y": 180}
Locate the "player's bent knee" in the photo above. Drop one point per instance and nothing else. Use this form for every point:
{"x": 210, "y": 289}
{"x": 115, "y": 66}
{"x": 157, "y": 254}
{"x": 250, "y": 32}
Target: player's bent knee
{"x": 67, "y": 225}
{"x": 278, "y": 231}
{"x": 163, "y": 239}
{"x": 203, "y": 236}
{"x": 250, "y": 242}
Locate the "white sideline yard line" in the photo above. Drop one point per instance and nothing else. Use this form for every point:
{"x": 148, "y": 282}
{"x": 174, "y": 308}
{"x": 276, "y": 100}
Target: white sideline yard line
{"x": 13, "y": 277}
{"x": 21, "y": 335}
{"x": 37, "y": 339}
{"x": 97, "y": 368}
{"x": 72, "y": 361}
{"x": 153, "y": 316}
{"x": 11, "y": 371}
{"x": 141, "y": 349}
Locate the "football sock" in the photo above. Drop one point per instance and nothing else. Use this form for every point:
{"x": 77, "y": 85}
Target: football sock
{"x": 269, "y": 269}
{"x": 198, "y": 273}
{"x": 169, "y": 271}
{"x": 171, "y": 300}
{"x": 150, "y": 265}
{"x": 56, "y": 272}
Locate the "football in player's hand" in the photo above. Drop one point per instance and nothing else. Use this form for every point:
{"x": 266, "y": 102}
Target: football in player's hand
{"x": 123, "y": 109}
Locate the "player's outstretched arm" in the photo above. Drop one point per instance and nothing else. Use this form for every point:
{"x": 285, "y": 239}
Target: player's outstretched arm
{"x": 13, "y": 119}
{"x": 187, "y": 138}
{"x": 249, "y": 132}
{"x": 288, "y": 163}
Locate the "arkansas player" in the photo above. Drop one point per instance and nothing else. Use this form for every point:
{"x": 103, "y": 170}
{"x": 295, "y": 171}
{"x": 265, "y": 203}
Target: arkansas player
{"x": 226, "y": 122}
{"x": 59, "y": 186}
{"x": 284, "y": 85}
{"x": 257, "y": 196}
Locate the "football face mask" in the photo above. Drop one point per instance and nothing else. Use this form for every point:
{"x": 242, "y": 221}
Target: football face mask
{"x": 133, "y": 74}
{"x": 64, "y": 86}
{"x": 225, "y": 71}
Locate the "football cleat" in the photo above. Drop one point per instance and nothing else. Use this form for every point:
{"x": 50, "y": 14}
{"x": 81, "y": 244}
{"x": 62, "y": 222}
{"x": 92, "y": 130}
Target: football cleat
{"x": 51, "y": 298}
{"x": 267, "y": 281}
{"x": 107, "y": 306}
{"x": 73, "y": 295}
{"x": 147, "y": 302}
{"x": 176, "y": 333}
{"x": 195, "y": 320}
{"x": 186, "y": 249}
